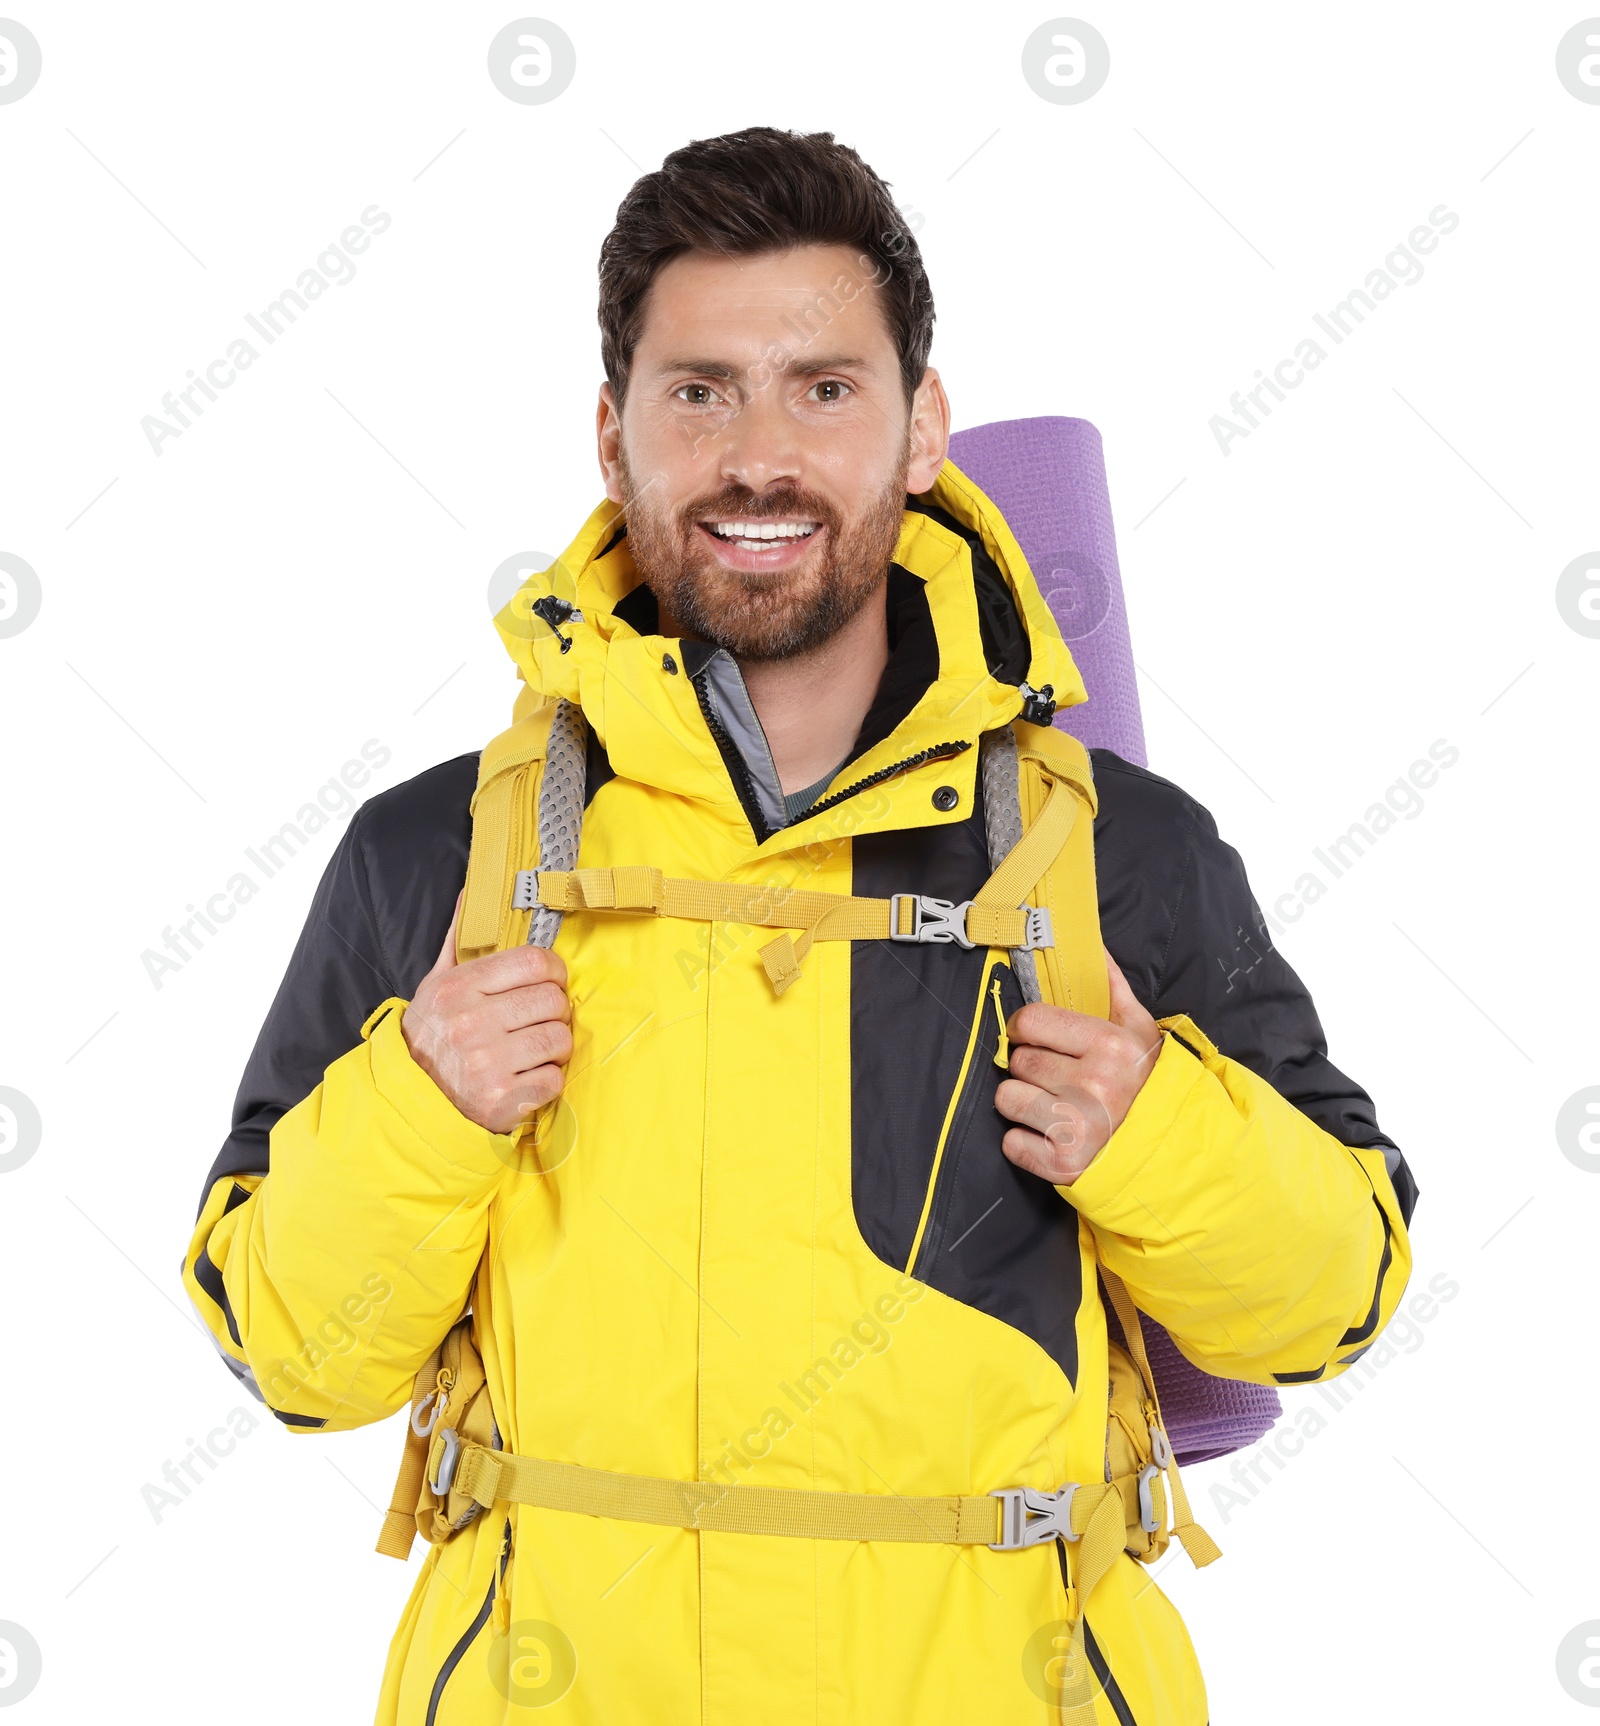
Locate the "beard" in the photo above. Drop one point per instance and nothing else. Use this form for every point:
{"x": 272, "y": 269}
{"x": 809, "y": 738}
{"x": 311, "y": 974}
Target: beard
{"x": 765, "y": 614}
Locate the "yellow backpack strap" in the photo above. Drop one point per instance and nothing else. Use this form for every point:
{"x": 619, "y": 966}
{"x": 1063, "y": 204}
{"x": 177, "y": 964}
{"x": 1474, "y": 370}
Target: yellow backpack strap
{"x": 1202, "y": 1549}
{"x": 1032, "y": 775}
{"x": 528, "y": 807}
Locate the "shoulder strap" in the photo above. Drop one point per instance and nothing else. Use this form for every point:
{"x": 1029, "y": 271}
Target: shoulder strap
{"x": 540, "y": 759}
{"x": 1022, "y": 765}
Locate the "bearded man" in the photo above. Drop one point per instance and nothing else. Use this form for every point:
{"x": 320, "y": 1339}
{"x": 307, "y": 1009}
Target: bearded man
{"x": 764, "y": 1090}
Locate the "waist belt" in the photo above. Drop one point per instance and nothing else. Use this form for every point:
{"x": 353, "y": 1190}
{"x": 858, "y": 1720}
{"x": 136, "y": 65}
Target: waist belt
{"x": 1007, "y": 1520}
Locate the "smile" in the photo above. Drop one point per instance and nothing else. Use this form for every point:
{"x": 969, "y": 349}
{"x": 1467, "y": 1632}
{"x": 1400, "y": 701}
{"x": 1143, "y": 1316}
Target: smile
{"x": 756, "y": 546}
{"x": 752, "y": 535}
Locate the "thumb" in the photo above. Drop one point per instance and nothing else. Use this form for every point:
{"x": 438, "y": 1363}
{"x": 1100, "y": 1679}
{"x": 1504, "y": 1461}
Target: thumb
{"x": 1126, "y": 1009}
{"x": 447, "y": 953}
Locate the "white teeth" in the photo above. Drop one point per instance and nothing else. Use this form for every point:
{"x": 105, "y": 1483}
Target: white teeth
{"x": 748, "y": 532}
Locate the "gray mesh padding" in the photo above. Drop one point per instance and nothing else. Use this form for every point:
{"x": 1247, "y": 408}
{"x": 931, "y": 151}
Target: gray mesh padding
{"x": 1002, "y": 823}
{"x": 560, "y": 811}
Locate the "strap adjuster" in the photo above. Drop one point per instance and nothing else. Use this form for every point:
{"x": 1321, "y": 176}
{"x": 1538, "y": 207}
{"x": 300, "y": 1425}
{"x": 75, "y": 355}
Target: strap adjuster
{"x": 1029, "y": 1517}
{"x": 526, "y": 895}
{"x": 931, "y": 919}
{"x": 1148, "y": 1520}
{"x": 450, "y": 1455}
{"x": 1037, "y": 930}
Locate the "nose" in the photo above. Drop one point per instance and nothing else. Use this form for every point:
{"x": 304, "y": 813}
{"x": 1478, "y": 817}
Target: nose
{"x": 759, "y": 447}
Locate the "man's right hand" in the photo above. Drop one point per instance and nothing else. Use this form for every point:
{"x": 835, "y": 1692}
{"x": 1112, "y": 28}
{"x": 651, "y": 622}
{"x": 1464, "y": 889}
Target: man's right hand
{"x": 492, "y": 1034}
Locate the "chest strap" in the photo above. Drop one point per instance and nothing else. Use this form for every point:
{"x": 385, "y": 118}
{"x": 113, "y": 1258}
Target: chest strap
{"x": 994, "y": 917}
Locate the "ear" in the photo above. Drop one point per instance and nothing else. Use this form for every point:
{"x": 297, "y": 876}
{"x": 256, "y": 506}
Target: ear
{"x": 608, "y": 439}
{"x": 930, "y": 433}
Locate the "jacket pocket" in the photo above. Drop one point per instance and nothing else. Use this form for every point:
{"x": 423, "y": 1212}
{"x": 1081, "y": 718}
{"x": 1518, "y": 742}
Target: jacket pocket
{"x": 982, "y": 1067}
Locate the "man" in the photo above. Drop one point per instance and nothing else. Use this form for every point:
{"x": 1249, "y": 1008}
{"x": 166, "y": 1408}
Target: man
{"x": 757, "y": 1211}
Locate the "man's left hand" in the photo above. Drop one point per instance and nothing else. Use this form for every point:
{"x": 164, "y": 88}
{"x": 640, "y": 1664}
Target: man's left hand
{"x": 1073, "y": 1080}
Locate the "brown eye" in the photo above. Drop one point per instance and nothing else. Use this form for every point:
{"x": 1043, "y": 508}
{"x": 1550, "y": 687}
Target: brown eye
{"x": 832, "y": 390}
{"x": 697, "y": 395}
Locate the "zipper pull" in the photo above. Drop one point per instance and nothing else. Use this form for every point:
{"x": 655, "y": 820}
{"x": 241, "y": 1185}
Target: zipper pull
{"x": 1002, "y": 1053}
{"x": 502, "y": 1594}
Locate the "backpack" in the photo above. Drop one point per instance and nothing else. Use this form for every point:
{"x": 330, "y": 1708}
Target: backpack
{"x": 1036, "y": 782}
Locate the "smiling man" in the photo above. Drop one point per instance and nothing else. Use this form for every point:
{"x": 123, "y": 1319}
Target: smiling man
{"x": 782, "y": 1040}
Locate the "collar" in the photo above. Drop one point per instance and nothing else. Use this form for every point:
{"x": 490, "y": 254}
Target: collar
{"x": 970, "y": 639}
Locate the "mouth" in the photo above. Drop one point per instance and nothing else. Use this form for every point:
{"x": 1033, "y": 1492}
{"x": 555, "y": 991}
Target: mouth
{"x": 761, "y": 542}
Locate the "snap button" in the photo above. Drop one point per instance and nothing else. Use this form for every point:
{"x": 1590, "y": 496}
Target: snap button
{"x": 946, "y": 797}
{"x": 668, "y": 663}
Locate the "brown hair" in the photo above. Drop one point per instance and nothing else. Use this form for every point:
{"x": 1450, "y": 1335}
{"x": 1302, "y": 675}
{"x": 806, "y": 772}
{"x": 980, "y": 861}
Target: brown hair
{"x": 760, "y": 190}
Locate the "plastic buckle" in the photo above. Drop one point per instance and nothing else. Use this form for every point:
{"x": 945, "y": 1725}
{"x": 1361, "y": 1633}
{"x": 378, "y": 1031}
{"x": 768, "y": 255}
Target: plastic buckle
{"x": 931, "y": 919}
{"x": 441, "y": 1484}
{"x": 1148, "y": 1520}
{"x": 432, "y": 1405}
{"x": 1030, "y": 1518}
{"x": 526, "y": 896}
{"x": 1038, "y": 931}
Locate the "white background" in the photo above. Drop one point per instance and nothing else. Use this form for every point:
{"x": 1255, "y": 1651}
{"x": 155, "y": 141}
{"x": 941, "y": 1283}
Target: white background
{"x": 305, "y": 569}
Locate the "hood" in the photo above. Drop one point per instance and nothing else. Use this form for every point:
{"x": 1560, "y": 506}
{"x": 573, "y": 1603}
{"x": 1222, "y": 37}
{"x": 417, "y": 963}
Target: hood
{"x": 971, "y": 640}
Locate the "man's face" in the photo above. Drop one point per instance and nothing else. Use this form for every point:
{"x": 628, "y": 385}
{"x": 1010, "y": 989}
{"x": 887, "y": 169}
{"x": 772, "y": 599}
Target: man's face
{"x": 765, "y": 448}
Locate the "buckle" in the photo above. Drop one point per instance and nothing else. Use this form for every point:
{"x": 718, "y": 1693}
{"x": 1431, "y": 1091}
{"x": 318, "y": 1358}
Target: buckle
{"x": 445, "y": 1479}
{"x": 1148, "y": 1520}
{"x": 526, "y": 895}
{"x": 1030, "y": 1518}
{"x": 931, "y": 919}
{"x": 1037, "y": 930}
{"x": 433, "y": 1406}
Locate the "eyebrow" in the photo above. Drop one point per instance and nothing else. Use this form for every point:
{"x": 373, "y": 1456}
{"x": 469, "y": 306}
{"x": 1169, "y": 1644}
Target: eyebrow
{"x": 799, "y": 366}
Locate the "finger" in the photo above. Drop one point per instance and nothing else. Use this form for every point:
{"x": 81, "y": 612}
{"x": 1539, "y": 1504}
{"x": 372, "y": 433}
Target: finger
{"x": 537, "y": 1003}
{"x": 1071, "y": 1119}
{"x": 1126, "y": 1007}
{"x": 1044, "y": 1067}
{"x": 1057, "y": 1028}
{"x": 1033, "y": 1152}
{"x": 546, "y": 1045}
{"x": 447, "y": 953}
{"x": 517, "y": 968}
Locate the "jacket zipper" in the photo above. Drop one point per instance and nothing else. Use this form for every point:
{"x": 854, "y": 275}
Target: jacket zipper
{"x": 1098, "y": 1664}
{"x": 733, "y": 759}
{"x": 987, "y": 1037}
{"x": 739, "y": 772}
{"x": 1101, "y": 1667}
{"x": 454, "y": 1657}
{"x": 935, "y": 752}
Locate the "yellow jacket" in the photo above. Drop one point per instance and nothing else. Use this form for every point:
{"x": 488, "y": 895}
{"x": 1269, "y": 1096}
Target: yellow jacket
{"x": 708, "y": 1279}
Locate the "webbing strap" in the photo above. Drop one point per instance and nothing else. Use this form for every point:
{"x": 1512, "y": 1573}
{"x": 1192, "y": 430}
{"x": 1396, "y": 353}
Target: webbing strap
{"x": 1099, "y": 1548}
{"x": 400, "y": 1519}
{"x": 1034, "y": 852}
{"x": 496, "y": 1477}
{"x": 995, "y": 917}
{"x": 1202, "y": 1549}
